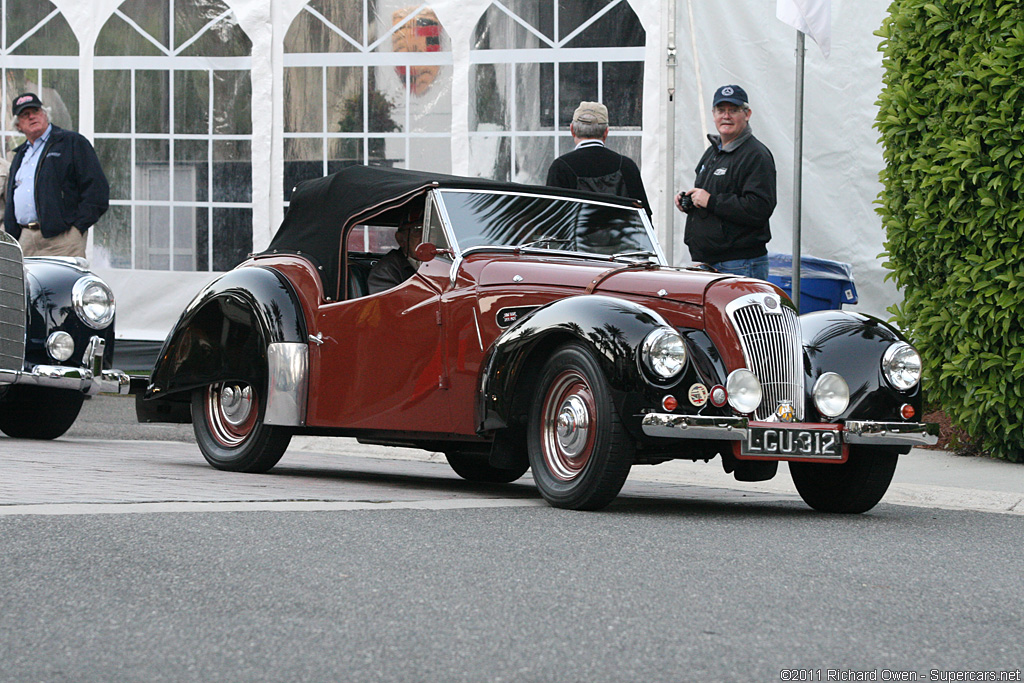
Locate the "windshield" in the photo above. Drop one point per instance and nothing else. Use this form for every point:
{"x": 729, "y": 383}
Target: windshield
{"x": 497, "y": 219}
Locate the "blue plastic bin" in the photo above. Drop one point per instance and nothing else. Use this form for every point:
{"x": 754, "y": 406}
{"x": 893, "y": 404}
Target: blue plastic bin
{"x": 824, "y": 285}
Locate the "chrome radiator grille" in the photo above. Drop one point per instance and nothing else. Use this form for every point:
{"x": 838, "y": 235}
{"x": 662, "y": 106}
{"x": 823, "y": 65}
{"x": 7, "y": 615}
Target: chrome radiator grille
{"x": 12, "y": 304}
{"x": 770, "y": 336}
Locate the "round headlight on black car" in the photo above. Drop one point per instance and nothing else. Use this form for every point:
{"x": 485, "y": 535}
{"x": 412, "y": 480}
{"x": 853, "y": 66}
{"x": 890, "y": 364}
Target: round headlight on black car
{"x": 831, "y": 394}
{"x": 93, "y": 301}
{"x": 664, "y": 353}
{"x": 901, "y": 365}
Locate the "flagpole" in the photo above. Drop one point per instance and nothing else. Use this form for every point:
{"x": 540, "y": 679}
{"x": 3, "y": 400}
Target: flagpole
{"x": 798, "y": 161}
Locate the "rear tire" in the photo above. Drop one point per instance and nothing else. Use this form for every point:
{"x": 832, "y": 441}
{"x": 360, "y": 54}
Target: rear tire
{"x": 474, "y": 467}
{"x": 31, "y": 412}
{"x": 579, "y": 450}
{"x": 853, "y": 487}
{"x": 227, "y": 418}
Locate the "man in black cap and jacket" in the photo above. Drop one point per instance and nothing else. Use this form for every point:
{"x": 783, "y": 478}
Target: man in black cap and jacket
{"x": 56, "y": 189}
{"x": 733, "y": 195}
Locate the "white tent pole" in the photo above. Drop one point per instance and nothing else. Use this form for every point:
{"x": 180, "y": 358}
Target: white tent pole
{"x": 670, "y": 138}
{"x": 798, "y": 162}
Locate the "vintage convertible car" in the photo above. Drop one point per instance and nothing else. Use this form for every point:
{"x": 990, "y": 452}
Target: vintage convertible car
{"x": 56, "y": 342}
{"x": 542, "y": 329}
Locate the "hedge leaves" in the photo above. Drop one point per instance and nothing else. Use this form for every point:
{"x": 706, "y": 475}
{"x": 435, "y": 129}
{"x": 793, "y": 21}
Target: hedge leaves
{"x": 951, "y": 117}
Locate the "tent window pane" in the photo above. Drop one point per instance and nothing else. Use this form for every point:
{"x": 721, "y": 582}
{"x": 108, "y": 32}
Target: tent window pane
{"x": 554, "y": 54}
{"x": 365, "y": 84}
{"x": 186, "y": 108}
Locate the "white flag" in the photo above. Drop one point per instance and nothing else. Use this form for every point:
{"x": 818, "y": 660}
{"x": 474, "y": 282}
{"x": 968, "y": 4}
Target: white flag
{"x": 813, "y": 17}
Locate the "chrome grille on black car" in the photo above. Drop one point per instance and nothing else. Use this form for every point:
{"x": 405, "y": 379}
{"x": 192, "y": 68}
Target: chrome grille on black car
{"x": 12, "y": 305}
{"x": 770, "y": 336}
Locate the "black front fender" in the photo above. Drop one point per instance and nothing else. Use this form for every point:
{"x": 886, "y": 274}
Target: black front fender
{"x": 612, "y": 329}
{"x": 852, "y": 345}
{"x": 224, "y": 332}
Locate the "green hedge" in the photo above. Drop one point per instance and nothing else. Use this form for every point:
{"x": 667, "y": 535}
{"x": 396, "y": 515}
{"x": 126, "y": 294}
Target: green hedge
{"x": 952, "y": 131}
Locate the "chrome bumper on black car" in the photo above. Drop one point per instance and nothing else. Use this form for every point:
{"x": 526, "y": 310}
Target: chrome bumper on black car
{"x": 89, "y": 380}
{"x": 736, "y": 429}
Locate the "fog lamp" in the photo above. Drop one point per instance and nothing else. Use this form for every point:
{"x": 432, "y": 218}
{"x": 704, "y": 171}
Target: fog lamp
{"x": 60, "y": 346}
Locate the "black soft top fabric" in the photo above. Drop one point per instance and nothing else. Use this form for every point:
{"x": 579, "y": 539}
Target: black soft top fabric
{"x": 322, "y": 209}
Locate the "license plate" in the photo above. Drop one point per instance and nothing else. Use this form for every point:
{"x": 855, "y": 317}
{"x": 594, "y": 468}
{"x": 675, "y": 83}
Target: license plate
{"x": 793, "y": 443}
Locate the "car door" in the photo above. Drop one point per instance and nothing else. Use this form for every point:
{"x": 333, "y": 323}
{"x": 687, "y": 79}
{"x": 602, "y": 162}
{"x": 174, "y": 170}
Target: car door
{"x": 380, "y": 363}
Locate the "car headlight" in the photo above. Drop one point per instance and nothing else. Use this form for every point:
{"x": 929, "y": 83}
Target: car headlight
{"x": 744, "y": 390}
{"x": 831, "y": 394}
{"x": 93, "y": 301}
{"x": 901, "y": 365}
{"x": 664, "y": 353}
{"x": 60, "y": 346}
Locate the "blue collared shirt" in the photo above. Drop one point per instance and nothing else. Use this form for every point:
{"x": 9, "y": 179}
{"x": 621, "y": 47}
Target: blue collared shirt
{"x": 24, "y": 181}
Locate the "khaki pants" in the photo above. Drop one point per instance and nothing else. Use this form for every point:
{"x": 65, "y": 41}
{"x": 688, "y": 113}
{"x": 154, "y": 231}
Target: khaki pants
{"x": 69, "y": 243}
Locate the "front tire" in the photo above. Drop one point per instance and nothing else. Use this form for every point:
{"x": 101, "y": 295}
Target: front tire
{"x": 853, "y": 487}
{"x": 579, "y": 450}
{"x": 31, "y": 412}
{"x": 227, "y": 418}
{"x": 474, "y": 467}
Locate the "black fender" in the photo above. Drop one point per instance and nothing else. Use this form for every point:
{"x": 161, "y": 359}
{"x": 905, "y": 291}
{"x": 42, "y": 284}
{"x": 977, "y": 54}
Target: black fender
{"x": 612, "y": 329}
{"x": 223, "y": 335}
{"x": 852, "y": 345}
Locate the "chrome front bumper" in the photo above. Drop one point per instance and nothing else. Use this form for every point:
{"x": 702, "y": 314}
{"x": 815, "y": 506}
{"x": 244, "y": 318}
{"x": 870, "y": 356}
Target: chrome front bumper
{"x": 735, "y": 429}
{"x": 89, "y": 380}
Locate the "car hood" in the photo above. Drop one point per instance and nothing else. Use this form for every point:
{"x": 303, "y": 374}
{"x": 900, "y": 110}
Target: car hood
{"x": 676, "y": 284}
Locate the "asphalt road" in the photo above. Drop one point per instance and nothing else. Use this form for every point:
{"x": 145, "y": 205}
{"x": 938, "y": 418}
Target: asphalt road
{"x": 134, "y": 561}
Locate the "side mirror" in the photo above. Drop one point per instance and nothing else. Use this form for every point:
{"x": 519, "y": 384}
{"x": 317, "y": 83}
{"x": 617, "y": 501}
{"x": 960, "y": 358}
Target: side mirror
{"x": 426, "y": 251}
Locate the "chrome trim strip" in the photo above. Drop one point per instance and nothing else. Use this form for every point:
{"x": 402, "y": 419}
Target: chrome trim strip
{"x": 287, "y": 385}
{"x": 695, "y": 426}
{"x": 891, "y": 433}
{"x": 61, "y": 377}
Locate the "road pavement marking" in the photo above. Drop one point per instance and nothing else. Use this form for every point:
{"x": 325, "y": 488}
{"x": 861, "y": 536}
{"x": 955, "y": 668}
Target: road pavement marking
{"x": 264, "y": 506}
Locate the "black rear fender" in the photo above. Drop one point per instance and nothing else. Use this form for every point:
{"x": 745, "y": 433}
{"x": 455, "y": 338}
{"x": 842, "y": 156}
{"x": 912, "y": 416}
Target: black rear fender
{"x": 225, "y": 332}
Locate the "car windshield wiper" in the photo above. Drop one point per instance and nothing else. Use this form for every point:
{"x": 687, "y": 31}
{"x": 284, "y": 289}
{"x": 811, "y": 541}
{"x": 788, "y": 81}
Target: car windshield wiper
{"x": 634, "y": 255}
{"x": 546, "y": 240}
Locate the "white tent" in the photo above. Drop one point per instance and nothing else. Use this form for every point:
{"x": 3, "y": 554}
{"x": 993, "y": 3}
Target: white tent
{"x": 286, "y": 67}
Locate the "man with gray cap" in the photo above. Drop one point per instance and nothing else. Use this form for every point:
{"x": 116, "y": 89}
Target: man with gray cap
{"x": 733, "y": 195}
{"x": 56, "y": 189}
{"x": 592, "y": 166}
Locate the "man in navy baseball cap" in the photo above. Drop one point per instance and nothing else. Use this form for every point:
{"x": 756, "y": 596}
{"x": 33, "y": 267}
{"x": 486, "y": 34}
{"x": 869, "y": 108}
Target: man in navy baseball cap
{"x": 733, "y": 194}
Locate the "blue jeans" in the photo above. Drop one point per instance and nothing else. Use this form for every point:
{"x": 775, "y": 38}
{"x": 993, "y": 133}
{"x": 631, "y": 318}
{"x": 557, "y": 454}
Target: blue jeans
{"x": 749, "y": 267}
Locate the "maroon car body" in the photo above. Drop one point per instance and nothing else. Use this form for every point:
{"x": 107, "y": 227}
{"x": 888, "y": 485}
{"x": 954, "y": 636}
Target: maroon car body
{"x": 542, "y": 329}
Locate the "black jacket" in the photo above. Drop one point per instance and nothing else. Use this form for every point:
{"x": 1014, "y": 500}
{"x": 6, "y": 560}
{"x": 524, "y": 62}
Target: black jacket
{"x": 594, "y": 161}
{"x": 70, "y": 187}
{"x": 741, "y": 181}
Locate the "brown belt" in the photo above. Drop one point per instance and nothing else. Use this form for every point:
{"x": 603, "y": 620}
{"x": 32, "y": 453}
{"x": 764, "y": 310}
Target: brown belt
{"x": 30, "y": 226}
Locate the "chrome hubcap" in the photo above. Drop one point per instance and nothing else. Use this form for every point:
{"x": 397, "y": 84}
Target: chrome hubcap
{"x": 568, "y": 421}
{"x": 573, "y": 426}
{"x": 231, "y": 413}
{"x": 236, "y": 404}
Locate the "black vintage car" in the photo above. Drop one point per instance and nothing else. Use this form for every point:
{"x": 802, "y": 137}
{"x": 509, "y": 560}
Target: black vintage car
{"x": 541, "y": 329}
{"x": 56, "y": 342}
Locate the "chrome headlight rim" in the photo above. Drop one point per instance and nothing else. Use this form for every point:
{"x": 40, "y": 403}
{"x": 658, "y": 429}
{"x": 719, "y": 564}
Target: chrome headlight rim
{"x": 744, "y": 391}
{"x": 901, "y": 366}
{"x": 97, "y": 314}
{"x": 660, "y": 363}
{"x": 831, "y": 394}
